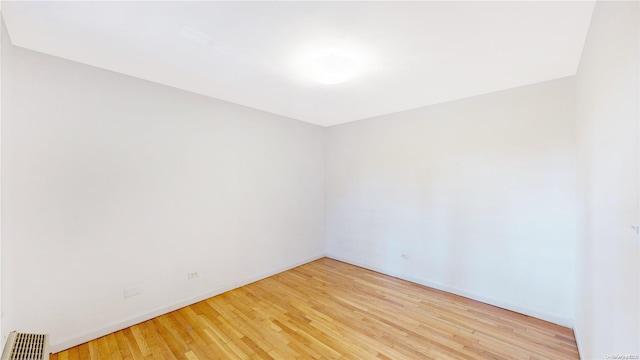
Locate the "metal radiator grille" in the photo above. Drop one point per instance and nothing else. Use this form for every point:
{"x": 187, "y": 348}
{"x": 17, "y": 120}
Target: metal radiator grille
{"x": 28, "y": 347}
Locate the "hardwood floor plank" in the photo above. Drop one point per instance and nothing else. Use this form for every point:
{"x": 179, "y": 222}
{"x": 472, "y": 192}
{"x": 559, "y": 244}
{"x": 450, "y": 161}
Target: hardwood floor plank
{"x": 331, "y": 310}
{"x": 125, "y": 350}
{"x": 83, "y": 351}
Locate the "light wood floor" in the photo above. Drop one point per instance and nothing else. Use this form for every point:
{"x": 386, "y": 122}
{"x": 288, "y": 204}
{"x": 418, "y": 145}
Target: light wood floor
{"x": 329, "y": 310}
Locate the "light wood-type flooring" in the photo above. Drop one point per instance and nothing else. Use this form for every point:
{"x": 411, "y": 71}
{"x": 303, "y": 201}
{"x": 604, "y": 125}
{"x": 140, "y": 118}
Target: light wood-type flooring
{"x": 327, "y": 309}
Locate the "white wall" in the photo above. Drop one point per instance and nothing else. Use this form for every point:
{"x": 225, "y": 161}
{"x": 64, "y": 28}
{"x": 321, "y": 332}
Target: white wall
{"x": 479, "y": 193}
{"x": 111, "y": 182}
{"x": 608, "y": 300}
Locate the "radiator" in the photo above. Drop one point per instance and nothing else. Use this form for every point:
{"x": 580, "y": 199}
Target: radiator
{"x": 22, "y": 346}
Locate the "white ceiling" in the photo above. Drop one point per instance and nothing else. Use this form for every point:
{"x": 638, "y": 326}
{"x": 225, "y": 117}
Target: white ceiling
{"x": 411, "y": 54}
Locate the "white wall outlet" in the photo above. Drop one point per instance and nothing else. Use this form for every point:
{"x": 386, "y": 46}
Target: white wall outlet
{"x": 131, "y": 292}
{"x": 405, "y": 256}
{"x": 193, "y": 275}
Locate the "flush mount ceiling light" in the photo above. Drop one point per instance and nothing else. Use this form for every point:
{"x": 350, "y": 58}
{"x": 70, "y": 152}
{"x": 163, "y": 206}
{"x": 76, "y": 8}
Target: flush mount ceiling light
{"x": 331, "y": 67}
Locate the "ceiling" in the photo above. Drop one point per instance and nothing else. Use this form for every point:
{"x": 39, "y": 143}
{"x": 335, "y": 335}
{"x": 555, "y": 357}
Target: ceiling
{"x": 409, "y": 54}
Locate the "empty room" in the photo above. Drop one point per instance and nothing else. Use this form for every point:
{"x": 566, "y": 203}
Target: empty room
{"x": 320, "y": 180}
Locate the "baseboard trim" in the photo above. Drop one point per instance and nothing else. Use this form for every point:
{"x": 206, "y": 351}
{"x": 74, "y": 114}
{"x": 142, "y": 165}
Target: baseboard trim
{"x": 550, "y": 317}
{"x": 575, "y": 335}
{"x": 119, "y": 325}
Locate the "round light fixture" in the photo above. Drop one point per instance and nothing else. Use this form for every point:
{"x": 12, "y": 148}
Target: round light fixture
{"x": 331, "y": 67}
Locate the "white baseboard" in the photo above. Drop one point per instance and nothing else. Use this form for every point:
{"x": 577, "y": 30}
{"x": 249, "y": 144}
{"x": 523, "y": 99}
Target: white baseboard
{"x": 119, "y": 325}
{"x": 550, "y": 317}
{"x": 575, "y": 335}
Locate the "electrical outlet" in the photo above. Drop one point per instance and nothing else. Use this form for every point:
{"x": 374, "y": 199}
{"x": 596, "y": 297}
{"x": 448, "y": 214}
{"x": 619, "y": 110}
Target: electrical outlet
{"x": 193, "y": 275}
{"x": 405, "y": 256}
{"x": 131, "y": 292}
